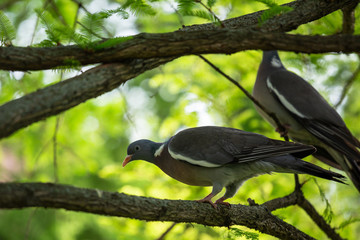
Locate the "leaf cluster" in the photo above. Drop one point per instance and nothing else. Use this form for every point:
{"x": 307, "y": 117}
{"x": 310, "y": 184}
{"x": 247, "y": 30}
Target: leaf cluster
{"x": 7, "y": 30}
{"x": 236, "y": 233}
{"x": 193, "y": 8}
{"x": 140, "y": 7}
{"x": 274, "y": 10}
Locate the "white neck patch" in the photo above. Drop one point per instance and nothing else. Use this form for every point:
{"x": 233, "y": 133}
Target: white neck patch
{"x": 159, "y": 151}
{"x": 275, "y": 62}
{"x": 201, "y": 163}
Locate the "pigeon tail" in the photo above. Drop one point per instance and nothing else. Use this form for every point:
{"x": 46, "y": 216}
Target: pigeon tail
{"x": 301, "y": 167}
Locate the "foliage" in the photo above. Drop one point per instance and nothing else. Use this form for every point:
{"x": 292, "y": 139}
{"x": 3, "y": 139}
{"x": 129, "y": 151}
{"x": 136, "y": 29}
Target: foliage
{"x": 7, "y": 30}
{"x": 328, "y": 213}
{"x": 139, "y": 7}
{"x": 111, "y": 42}
{"x": 274, "y": 10}
{"x": 92, "y": 137}
{"x": 235, "y": 233}
{"x": 193, "y": 8}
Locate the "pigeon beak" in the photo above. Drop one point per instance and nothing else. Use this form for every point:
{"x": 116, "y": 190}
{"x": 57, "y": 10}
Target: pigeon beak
{"x": 126, "y": 160}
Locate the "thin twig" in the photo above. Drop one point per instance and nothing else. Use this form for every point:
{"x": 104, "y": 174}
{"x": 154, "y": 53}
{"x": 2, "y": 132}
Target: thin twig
{"x": 297, "y": 198}
{"x": 348, "y": 26}
{"x": 56, "y": 177}
{"x": 90, "y": 31}
{"x": 80, "y": 5}
{"x": 58, "y": 13}
{"x": 180, "y": 17}
{"x": 76, "y": 16}
{"x": 162, "y": 237}
{"x": 37, "y": 23}
{"x": 212, "y": 13}
{"x": 272, "y": 115}
{"x": 8, "y": 4}
{"x": 316, "y": 217}
{"x": 27, "y": 231}
{"x": 347, "y": 85}
{"x": 54, "y": 140}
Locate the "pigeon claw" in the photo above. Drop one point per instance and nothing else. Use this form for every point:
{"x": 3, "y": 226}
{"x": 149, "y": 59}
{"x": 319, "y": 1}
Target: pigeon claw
{"x": 221, "y": 201}
{"x": 283, "y": 130}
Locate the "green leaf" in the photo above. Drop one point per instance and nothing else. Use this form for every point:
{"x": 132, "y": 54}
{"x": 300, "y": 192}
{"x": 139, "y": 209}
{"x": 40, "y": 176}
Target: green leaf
{"x": 235, "y": 233}
{"x": 7, "y": 30}
{"x": 139, "y": 7}
{"x": 328, "y": 212}
{"x": 211, "y": 3}
{"x": 274, "y": 10}
{"x": 119, "y": 11}
{"x": 45, "y": 43}
{"x": 185, "y": 6}
{"x": 348, "y": 222}
{"x": 269, "y": 3}
{"x": 49, "y": 23}
{"x": 91, "y": 26}
{"x": 112, "y": 42}
{"x": 201, "y": 14}
{"x": 69, "y": 65}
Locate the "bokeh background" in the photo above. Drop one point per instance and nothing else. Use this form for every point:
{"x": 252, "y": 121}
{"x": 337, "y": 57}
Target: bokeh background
{"x": 89, "y": 141}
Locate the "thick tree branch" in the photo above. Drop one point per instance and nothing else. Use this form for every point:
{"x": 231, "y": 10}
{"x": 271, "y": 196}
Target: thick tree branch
{"x": 175, "y": 44}
{"x": 21, "y": 195}
{"x": 208, "y": 39}
{"x": 59, "y": 97}
{"x": 62, "y": 96}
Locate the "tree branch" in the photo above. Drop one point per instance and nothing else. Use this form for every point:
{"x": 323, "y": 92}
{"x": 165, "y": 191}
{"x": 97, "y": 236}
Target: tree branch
{"x": 62, "y": 96}
{"x": 280, "y": 127}
{"x": 297, "y": 198}
{"x": 241, "y": 33}
{"x": 348, "y": 11}
{"x": 303, "y": 12}
{"x": 316, "y": 217}
{"x": 47, "y": 195}
{"x": 175, "y": 44}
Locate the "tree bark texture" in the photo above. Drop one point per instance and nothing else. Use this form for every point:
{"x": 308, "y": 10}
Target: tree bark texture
{"x": 242, "y": 33}
{"x": 48, "y": 195}
{"x": 175, "y": 44}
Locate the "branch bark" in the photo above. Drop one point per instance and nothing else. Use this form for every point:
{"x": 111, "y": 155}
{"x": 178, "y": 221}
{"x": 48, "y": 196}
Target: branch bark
{"x": 297, "y": 198}
{"x": 59, "y": 97}
{"x": 175, "y": 44}
{"x": 207, "y": 39}
{"x": 348, "y": 25}
{"x": 47, "y": 195}
{"x": 62, "y": 96}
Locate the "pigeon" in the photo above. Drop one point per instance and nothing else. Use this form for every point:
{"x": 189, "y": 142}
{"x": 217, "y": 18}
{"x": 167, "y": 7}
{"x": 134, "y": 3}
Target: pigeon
{"x": 306, "y": 116}
{"x": 224, "y": 157}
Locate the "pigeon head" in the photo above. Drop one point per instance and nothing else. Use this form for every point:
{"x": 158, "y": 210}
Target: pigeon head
{"x": 273, "y": 58}
{"x": 141, "y": 150}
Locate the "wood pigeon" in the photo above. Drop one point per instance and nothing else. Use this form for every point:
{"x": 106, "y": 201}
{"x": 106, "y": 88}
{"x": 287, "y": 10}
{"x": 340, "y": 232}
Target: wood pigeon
{"x": 224, "y": 157}
{"x": 306, "y": 116}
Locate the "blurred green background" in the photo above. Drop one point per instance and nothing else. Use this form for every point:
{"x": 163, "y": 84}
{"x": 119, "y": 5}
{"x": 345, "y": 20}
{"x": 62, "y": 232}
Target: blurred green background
{"x": 91, "y": 139}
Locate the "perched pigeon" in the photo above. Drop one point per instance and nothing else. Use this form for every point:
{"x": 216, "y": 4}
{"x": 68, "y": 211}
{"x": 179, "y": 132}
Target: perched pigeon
{"x": 224, "y": 157}
{"x": 306, "y": 116}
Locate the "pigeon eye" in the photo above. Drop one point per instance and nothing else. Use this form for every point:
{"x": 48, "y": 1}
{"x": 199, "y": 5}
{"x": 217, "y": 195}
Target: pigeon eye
{"x": 137, "y": 148}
